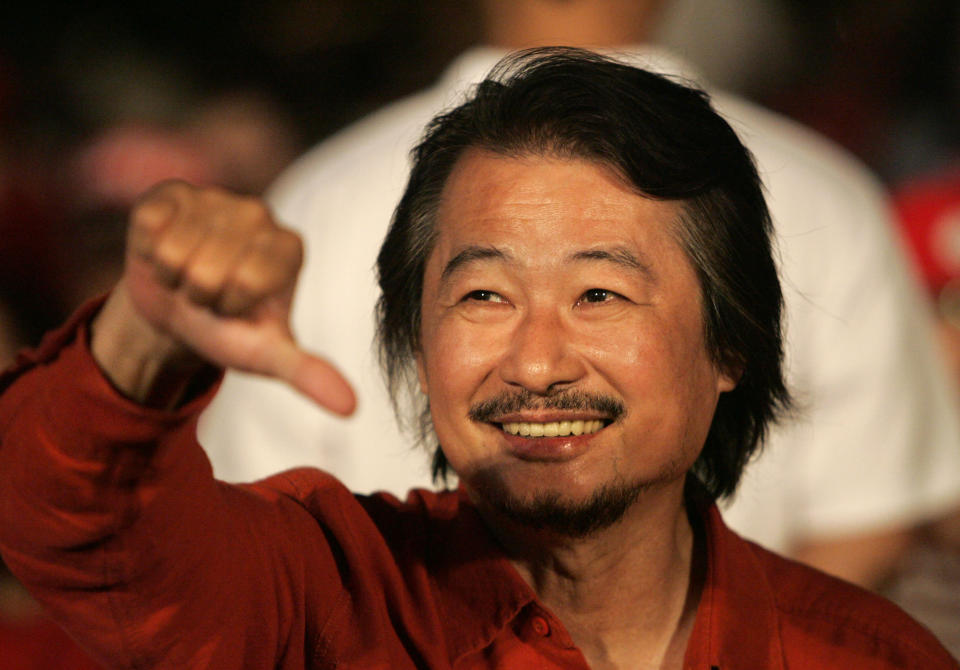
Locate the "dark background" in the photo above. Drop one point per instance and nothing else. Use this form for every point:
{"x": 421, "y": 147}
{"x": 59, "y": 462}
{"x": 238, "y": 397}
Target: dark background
{"x": 880, "y": 77}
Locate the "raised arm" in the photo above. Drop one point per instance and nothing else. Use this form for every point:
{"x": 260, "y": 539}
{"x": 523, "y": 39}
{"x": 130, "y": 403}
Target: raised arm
{"x": 108, "y": 510}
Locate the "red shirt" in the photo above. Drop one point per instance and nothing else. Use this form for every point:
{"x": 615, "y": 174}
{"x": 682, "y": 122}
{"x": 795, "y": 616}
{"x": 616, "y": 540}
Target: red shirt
{"x": 109, "y": 512}
{"x": 39, "y": 644}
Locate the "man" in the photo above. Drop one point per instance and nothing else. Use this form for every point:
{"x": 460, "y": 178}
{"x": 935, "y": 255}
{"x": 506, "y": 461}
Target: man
{"x": 580, "y": 281}
{"x": 875, "y": 452}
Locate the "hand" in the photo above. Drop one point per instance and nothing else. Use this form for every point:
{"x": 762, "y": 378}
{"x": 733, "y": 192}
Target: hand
{"x": 209, "y": 277}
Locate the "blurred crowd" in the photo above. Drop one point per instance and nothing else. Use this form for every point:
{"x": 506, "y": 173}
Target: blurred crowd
{"x": 95, "y": 106}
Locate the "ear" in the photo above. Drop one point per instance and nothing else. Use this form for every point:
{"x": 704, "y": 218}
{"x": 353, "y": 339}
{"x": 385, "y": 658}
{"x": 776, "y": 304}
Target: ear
{"x": 726, "y": 382}
{"x": 729, "y": 377}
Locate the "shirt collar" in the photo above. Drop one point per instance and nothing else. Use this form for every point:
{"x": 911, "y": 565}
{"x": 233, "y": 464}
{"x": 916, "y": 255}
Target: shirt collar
{"x": 480, "y": 590}
{"x": 735, "y": 627}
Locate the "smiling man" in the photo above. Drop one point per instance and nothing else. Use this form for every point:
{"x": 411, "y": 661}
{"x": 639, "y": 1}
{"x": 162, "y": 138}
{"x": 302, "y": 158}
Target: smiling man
{"x": 579, "y": 301}
{"x": 562, "y": 344}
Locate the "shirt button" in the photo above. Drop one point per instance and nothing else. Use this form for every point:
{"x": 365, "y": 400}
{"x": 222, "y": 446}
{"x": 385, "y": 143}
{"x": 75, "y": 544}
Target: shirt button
{"x": 540, "y": 626}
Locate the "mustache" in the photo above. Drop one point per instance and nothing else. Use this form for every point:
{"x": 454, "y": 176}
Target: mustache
{"x": 507, "y": 402}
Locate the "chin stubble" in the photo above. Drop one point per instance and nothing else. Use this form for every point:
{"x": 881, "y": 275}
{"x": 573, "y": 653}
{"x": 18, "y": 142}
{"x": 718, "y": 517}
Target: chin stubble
{"x": 550, "y": 511}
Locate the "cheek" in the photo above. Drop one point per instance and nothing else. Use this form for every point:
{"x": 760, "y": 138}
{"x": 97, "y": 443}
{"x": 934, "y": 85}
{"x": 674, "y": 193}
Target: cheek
{"x": 456, "y": 362}
{"x": 639, "y": 354}
{"x": 454, "y": 370}
{"x": 661, "y": 367}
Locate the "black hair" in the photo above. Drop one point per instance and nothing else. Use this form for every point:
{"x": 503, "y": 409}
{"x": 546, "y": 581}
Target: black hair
{"x": 665, "y": 140}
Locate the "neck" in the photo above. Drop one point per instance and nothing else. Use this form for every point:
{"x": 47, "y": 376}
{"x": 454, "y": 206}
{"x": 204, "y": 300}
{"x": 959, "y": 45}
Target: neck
{"x": 628, "y": 594}
{"x": 517, "y": 24}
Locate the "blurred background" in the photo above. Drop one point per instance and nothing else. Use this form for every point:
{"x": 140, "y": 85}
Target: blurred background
{"x": 99, "y": 101}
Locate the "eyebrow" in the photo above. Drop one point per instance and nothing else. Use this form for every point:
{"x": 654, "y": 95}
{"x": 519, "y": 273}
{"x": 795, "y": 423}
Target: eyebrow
{"x": 472, "y": 254}
{"x": 620, "y": 256}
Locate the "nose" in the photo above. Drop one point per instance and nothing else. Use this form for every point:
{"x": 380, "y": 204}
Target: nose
{"x": 541, "y": 357}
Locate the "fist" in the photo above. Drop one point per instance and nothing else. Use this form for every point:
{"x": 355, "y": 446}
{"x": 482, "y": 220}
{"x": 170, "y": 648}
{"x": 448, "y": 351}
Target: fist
{"x": 220, "y": 251}
{"x": 210, "y": 273}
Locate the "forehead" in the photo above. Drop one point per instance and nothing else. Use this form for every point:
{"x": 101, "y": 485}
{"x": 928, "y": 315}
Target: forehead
{"x": 491, "y": 199}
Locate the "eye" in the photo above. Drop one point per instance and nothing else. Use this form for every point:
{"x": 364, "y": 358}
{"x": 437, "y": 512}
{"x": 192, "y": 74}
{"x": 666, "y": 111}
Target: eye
{"x": 598, "y": 295}
{"x": 483, "y": 295}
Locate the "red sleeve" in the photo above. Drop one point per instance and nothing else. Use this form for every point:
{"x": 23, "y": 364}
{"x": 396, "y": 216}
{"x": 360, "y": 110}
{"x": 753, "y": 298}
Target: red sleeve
{"x": 110, "y": 515}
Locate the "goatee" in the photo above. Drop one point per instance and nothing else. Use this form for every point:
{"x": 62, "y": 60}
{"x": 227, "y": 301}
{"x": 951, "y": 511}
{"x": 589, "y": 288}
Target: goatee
{"x": 549, "y": 511}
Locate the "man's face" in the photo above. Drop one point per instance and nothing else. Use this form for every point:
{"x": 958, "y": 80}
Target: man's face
{"x": 562, "y": 339}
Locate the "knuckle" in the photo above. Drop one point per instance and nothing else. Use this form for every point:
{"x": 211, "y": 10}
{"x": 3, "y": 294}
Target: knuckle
{"x": 253, "y": 209}
{"x": 151, "y": 216}
{"x": 168, "y": 253}
{"x": 201, "y": 285}
{"x": 247, "y": 287}
{"x": 290, "y": 245}
{"x": 170, "y": 250}
{"x": 169, "y": 190}
{"x": 248, "y": 282}
{"x": 262, "y": 274}
{"x": 239, "y": 206}
{"x": 161, "y": 205}
{"x": 233, "y": 216}
{"x": 278, "y": 248}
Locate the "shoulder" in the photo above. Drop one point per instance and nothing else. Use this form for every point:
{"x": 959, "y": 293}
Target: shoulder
{"x": 826, "y": 622}
{"x": 811, "y": 182}
{"x": 780, "y": 143}
{"x": 361, "y": 154}
{"x": 378, "y": 518}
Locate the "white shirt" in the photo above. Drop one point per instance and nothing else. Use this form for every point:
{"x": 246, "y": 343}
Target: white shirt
{"x": 877, "y": 442}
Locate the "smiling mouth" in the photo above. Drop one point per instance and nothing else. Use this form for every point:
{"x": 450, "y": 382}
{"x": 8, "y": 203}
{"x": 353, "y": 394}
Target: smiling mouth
{"x": 553, "y": 428}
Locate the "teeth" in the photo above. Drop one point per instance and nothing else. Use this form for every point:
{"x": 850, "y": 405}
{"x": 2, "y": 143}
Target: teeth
{"x": 553, "y": 429}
